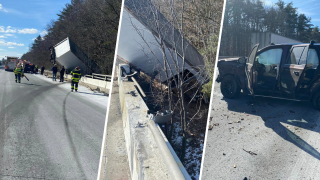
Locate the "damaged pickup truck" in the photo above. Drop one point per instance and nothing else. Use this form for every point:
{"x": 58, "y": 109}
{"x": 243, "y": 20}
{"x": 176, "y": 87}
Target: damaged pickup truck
{"x": 284, "y": 71}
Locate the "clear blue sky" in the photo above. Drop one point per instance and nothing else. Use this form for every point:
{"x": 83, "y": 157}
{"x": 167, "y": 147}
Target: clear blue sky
{"x": 311, "y": 8}
{"x": 23, "y": 20}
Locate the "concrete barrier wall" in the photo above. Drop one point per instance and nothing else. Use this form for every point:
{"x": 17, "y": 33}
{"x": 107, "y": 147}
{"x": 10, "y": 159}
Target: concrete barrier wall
{"x": 145, "y": 156}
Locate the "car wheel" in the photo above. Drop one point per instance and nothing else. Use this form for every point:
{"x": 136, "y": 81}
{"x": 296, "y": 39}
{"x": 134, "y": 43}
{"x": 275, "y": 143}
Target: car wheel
{"x": 316, "y": 101}
{"x": 229, "y": 87}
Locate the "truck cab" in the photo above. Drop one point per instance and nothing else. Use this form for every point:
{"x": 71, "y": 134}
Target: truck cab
{"x": 284, "y": 71}
{"x": 28, "y": 67}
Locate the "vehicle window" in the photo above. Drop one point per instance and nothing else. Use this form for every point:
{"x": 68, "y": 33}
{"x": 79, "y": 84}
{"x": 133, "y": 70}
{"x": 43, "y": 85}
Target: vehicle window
{"x": 295, "y": 55}
{"x": 313, "y": 59}
{"x": 272, "y": 56}
{"x": 303, "y": 58}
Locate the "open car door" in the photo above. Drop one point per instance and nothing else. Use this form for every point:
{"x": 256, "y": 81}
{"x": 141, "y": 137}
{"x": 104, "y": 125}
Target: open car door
{"x": 293, "y": 69}
{"x": 250, "y": 68}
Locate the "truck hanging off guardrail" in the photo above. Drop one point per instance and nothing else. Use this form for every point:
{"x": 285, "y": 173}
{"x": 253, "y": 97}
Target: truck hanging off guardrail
{"x": 68, "y": 54}
{"x": 133, "y": 49}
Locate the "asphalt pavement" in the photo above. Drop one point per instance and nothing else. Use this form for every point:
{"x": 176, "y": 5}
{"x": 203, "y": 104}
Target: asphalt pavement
{"x": 261, "y": 138}
{"x": 48, "y": 132}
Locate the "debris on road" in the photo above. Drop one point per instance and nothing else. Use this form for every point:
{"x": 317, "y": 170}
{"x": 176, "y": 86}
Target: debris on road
{"x": 250, "y": 152}
{"x": 234, "y": 166}
{"x": 211, "y": 126}
{"x": 241, "y": 128}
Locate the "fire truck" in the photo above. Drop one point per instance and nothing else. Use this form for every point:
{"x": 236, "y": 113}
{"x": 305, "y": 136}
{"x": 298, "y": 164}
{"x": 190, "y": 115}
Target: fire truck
{"x": 11, "y": 62}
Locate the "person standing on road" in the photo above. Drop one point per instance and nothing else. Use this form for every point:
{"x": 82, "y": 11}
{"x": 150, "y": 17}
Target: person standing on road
{"x": 18, "y": 71}
{"x": 62, "y": 74}
{"x": 42, "y": 69}
{"x": 54, "y": 70}
{"x": 32, "y": 69}
{"x": 76, "y": 75}
{"x": 36, "y": 70}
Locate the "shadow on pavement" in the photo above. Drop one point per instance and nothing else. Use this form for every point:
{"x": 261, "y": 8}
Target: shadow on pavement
{"x": 276, "y": 113}
{"x": 30, "y": 84}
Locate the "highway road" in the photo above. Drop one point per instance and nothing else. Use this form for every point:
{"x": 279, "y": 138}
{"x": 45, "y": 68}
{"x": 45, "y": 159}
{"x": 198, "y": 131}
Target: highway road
{"x": 261, "y": 138}
{"x": 48, "y": 132}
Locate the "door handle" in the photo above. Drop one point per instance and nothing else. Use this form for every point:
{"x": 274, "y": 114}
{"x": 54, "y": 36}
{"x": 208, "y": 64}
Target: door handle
{"x": 296, "y": 73}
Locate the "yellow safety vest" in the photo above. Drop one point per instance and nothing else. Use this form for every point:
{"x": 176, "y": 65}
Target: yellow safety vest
{"x": 17, "y": 70}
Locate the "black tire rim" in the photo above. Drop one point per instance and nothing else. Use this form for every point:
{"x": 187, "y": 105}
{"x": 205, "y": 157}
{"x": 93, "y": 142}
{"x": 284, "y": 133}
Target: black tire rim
{"x": 229, "y": 87}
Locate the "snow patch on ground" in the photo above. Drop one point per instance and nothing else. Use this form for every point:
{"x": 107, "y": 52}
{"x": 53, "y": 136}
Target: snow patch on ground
{"x": 193, "y": 154}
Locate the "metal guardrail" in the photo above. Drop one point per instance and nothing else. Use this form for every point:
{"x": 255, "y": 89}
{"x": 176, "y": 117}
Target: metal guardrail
{"x": 173, "y": 166}
{"x": 139, "y": 87}
{"x": 100, "y": 77}
{"x": 135, "y": 81}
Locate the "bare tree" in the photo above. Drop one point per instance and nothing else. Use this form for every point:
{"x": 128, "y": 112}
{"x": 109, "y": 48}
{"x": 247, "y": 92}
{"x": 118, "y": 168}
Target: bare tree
{"x": 182, "y": 86}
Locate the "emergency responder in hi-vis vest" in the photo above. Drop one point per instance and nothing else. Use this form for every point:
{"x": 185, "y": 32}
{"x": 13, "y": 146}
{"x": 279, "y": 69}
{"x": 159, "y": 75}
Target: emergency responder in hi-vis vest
{"x": 76, "y": 75}
{"x": 18, "y": 71}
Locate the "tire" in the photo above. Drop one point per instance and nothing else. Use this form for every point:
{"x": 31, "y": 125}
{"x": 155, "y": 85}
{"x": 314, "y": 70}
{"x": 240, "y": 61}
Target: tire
{"x": 230, "y": 87}
{"x": 316, "y": 101}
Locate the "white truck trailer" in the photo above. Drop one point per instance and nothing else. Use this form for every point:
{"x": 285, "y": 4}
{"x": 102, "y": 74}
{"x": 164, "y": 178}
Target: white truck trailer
{"x": 70, "y": 56}
{"x": 266, "y": 38}
{"x": 137, "y": 44}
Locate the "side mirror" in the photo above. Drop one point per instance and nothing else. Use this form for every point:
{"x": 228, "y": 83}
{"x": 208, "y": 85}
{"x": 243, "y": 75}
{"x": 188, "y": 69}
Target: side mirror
{"x": 242, "y": 60}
